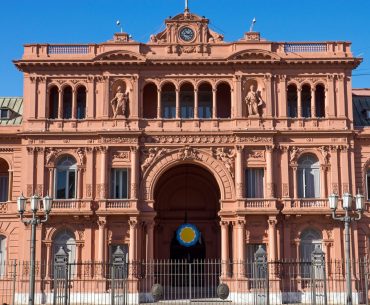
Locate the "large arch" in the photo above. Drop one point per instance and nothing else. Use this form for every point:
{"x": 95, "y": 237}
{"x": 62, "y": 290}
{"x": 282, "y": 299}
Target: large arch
{"x": 163, "y": 160}
{"x": 187, "y": 193}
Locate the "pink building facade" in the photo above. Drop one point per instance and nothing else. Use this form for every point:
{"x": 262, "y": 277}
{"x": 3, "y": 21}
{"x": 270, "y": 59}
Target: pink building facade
{"x": 243, "y": 139}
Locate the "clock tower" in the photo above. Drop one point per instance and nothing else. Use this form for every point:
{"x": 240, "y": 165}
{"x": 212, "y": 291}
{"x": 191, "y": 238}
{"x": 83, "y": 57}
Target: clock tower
{"x": 187, "y": 31}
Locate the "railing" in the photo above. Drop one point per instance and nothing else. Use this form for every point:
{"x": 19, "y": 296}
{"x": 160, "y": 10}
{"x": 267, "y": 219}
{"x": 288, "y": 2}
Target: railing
{"x": 260, "y": 204}
{"x": 253, "y": 282}
{"x": 68, "y": 49}
{"x": 305, "y": 47}
{"x": 70, "y": 204}
{"x": 118, "y": 204}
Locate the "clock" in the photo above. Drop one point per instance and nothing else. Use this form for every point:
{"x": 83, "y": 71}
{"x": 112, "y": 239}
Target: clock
{"x": 187, "y": 34}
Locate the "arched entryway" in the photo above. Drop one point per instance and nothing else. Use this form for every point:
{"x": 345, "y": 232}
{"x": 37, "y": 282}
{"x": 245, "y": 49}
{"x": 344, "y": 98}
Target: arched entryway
{"x": 187, "y": 193}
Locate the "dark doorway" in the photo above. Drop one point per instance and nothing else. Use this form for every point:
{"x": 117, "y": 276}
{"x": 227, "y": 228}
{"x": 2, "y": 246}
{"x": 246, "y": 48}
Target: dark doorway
{"x": 179, "y": 252}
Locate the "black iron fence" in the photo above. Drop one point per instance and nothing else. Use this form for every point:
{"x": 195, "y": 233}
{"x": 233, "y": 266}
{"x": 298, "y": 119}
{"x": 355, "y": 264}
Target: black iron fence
{"x": 257, "y": 282}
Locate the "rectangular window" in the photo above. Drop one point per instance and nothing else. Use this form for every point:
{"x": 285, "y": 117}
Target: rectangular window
{"x": 205, "y": 105}
{"x": 120, "y": 183}
{"x": 254, "y": 182}
{"x": 61, "y": 184}
{"x": 5, "y": 114}
{"x": 3, "y": 188}
{"x": 169, "y": 105}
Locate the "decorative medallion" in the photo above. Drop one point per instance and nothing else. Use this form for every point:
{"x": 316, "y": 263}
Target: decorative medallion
{"x": 188, "y": 235}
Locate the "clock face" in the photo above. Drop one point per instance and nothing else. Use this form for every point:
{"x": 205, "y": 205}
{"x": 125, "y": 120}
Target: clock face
{"x": 187, "y": 34}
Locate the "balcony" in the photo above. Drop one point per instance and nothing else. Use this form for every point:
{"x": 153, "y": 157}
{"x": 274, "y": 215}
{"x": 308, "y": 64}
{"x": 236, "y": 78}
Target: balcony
{"x": 116, "y": 206}
{"x": 72, "y": 206}
{"x": 306, "y": 206}
{"x": 257, "y": 206}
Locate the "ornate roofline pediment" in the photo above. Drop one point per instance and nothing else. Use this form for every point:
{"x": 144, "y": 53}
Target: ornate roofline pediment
{"x": 120, "y": 55}
{"x": 254, "y": 54}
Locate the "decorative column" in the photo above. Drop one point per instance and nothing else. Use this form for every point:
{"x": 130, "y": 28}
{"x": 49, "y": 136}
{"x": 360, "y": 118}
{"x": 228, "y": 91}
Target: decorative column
{"x": 48, "y": 259}
{"x": 132, "y": 247}
{"x": 196, "y": 104}
{"x": 238, "y": 104}
{"x": 268, "y": 84}
{"x": 149, "y": 241}
{"x": 341, "y": 100}
{"x": 345, "y": 169}
{"x": 330, "y": 98}
{"x": 295, "y": 182}
{"x": 134, "y": 172}
{"x": 272, "y": 238}
{"x": 42, "y": 99}
{"x": 10, "y": 184}
{"x": 282, "y": 107}
{"x": 269, "y": 175}
{"x": 177, "y": 103}
{"x": 323, "y": 181}
{"x": 239, "y": 172}
{"x": 106, "y": 97}
{"x": 225, "y": 248}
{"x": 90, "y": 98}
{"x": 74, "y": 104}
{"x": 214, "y": 103}
{"x": 159, "y": 104}
{"x": 60, "y": 104}
{"x": 241, "y": 247}
{"x": 313, "y": 102}
{"x": 285, "y": 171}
{"x": 334, "y": 169}
{"x": 51, "y": 181}
{"x": 79, "y": 183}
{"x": 299, "y": 106}
{"x": 287, "y": 241}
{"x": 101, "y": 223}
{"x": 103, "y": 172}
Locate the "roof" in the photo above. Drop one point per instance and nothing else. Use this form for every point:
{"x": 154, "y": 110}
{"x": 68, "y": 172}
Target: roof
{"x": 361, "y": 104}
{"x": 15, "y": 104}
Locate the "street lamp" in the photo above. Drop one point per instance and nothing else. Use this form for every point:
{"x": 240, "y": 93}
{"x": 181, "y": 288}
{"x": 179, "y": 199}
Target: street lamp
{"x": 34, "y": 221}
{"x": 347, "y": 219}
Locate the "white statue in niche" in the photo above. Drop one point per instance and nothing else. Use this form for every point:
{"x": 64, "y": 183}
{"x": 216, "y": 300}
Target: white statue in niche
{"x": 119, "y": 102}
{"x": 253, "y": 101}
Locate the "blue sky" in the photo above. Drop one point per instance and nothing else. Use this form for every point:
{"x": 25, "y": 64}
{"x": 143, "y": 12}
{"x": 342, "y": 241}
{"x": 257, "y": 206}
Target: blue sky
{"x": 93, "y": 21}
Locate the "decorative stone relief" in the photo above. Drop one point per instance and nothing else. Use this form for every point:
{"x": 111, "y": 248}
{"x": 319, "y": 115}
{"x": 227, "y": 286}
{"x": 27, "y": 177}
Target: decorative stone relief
{"x": 254, "y": 101}
{"x": 89, "y": 190}
{"x": 188, "y": 139}
{"x": 118, "y": 140}
{"x": 150, "y": 156}
{"x": 227, "y": 156}
{"x": 81, "y": 155}
{"x": 241, "y": 139}
{"x": 189, "y": 153}
{"x": 257, "y": 154}
{"x": 123, "y": 155}
{"x": 294, "y": 151}
{"x": 325, "y": 153}
{"x": 50, "y": 154}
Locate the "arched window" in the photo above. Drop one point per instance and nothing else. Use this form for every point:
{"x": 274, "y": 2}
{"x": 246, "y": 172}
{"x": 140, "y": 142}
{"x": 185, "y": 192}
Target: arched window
{"x": 2, "y": 254}
{"x": 168, "y": 99}
{"x": 187, "y": 101}
{"x": 66, "y": 178}
{"x": 150, "y": 99}
{"x": 308, "y": 177}
{"x": 292, "y": 101}
{"x": 67, "y": 102}
{"x": 81, "y": 103}
{"x": 320, "y": 101}
{"x": 205, "y": 101}
{"x": 65, "y": 239}
{"x": 4, "y": 180}
{"x": 53, "y": 102}
{"x": 306, "y": 101}
{"x": 310, "y": 239}
{"x": 223, "y": 101}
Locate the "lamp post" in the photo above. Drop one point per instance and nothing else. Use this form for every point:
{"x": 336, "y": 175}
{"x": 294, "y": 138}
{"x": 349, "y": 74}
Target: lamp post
{"x": 347, "y": 219}
{"x": 34, "y": 221}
